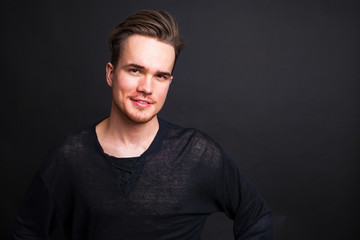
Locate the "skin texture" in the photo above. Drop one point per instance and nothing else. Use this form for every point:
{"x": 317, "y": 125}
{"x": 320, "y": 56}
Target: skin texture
{"x": 140, "y": 83}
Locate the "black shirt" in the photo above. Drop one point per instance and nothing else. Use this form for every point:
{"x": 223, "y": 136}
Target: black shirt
{"x": 166, "y": 193}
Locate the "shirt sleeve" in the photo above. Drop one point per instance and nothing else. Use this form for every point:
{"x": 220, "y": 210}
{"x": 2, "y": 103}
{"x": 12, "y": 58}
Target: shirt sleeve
{"x": 48, "y": 201}
{"x": 242, "y": 203}
{"x": 38, "y": 215}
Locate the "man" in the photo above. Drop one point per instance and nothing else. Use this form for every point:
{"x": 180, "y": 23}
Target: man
{"x": 133, "y": 175}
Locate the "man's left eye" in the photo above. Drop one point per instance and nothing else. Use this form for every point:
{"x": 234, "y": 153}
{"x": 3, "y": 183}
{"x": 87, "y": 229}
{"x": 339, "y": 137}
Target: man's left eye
{"x": 162, "y": 76}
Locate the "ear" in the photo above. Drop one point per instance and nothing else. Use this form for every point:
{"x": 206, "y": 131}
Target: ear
{"x": 110, "y": 71}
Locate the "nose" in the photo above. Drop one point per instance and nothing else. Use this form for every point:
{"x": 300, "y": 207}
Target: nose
{"x": 144, "y": 85}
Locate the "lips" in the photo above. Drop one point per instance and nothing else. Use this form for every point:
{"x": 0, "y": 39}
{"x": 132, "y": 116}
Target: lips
{"x": 142, "y": 103}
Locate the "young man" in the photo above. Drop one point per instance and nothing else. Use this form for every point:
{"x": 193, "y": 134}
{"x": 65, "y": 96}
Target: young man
{"x": 133, "y": 175}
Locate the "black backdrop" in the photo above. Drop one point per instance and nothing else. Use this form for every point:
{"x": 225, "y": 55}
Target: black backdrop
{"x": 276, "y": 83}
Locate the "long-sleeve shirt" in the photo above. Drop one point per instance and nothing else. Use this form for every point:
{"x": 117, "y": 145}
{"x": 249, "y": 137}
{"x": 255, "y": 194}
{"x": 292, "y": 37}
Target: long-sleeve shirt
{"x": 166, "y": 193}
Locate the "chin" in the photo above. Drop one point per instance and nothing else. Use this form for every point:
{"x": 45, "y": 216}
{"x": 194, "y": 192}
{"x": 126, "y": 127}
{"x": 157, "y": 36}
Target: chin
{"x": 140, "y": 118}
{"x": 135, "y": 116}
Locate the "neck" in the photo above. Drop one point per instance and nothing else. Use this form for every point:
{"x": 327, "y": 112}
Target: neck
{"x": 129, "y": 132}
{"x": 121, "y": 137}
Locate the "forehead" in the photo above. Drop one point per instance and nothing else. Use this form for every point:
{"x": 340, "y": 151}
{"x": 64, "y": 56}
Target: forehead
{"x": 148, "y": 52}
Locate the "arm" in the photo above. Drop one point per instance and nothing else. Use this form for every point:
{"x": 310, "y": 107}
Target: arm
{"x": 37, "y": 216}
{"x": 48, "y": 200}
{"x": 242, "y": 203}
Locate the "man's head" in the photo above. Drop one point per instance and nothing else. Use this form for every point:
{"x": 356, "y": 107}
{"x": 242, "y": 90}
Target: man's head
{"x": 156, "y": 24}
{"x": 144, "y": 50}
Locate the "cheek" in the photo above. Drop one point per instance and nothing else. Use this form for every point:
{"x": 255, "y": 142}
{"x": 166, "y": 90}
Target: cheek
{"x": 163, "y": 92}
{"x": 124, "y": 85}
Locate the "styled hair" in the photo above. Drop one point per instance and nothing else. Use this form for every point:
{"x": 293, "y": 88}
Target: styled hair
{"x": 157, "y": 24}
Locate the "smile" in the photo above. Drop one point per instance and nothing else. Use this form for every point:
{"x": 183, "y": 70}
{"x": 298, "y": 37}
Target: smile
{"x": 141, "y": 103}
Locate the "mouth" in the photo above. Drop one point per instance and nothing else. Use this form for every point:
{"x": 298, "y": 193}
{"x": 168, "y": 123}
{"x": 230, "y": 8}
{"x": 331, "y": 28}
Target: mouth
{"x": 142, "y": 103}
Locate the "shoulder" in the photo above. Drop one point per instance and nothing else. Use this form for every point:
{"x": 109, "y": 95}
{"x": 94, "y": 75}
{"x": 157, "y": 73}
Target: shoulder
{"x": 68, "y": 150}
{"x": 193, "y": 140}
{"x": 193, "y": 134}
{"x": 75, "y": 142}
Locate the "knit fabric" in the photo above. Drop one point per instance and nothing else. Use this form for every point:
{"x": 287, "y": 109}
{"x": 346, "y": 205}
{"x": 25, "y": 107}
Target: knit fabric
{"x": 166, "y": 193}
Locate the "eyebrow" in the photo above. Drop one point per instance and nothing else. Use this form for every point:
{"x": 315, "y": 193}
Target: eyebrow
{"x": 134, "y": 65}
{"x": 142, "y": 67}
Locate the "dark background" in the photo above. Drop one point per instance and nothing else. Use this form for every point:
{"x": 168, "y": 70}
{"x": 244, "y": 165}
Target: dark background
{"x": 276, "y": 83}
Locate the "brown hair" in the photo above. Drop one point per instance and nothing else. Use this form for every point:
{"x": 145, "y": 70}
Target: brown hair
{"x": 158, "y": 24}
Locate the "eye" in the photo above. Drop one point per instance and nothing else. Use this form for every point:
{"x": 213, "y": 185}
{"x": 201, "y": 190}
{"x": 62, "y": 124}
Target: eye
{"x": 162, "y": 76}
{"x": 134, "y": 70}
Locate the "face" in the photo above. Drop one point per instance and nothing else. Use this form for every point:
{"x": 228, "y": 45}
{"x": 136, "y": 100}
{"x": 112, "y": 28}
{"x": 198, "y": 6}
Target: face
{"x": 141, "y": 79}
